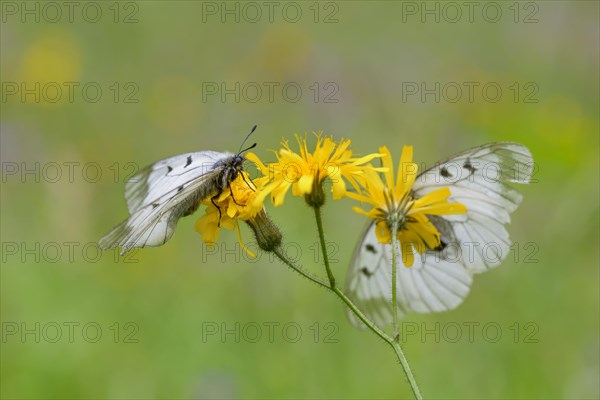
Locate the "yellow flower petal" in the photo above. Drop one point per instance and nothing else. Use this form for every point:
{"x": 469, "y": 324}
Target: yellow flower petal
{"x": 386, "y": 160}
{"x": 408, "y": 258}
{"x": 305, "y": 184}
{"x": 383, "y": 233}
{"x": 338, "y": 189}
{"x": 247, "y": 250}
{"x": 406, "y": 168}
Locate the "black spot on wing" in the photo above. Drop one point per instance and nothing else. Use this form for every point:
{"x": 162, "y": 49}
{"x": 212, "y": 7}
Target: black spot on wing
{"x": 366, "y": 272}
{"x": 443, "y": 244}
{"x": 370, "y": 248}
{"x": 154, "y": 205}
{"x": 169, "y": 169}
{"x": 468, "y": 166}
{"x": 444, "y": 172}
{"x": 188, "y": 161}
{"x": 180, "y": 188}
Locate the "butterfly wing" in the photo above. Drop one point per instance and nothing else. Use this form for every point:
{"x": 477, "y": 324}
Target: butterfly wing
{"x": 163, "y": 176}
{"x": 473, "y": 242}
{"x": 478, "y": 178}
{"x": 158, "y": 195}
{"x": 435, "y": 282}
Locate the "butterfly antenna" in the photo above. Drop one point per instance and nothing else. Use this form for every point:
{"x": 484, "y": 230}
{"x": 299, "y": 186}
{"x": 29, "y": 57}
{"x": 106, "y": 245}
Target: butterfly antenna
{"x": 247, "y": 148}
{"x": 244, "y": 142}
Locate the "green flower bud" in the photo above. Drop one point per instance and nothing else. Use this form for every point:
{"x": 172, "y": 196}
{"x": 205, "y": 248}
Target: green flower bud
{"x": 267, "y": 234}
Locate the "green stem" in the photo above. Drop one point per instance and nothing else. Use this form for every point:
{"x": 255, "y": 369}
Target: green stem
{"x": 394, "y": 278}
{"x": 396, "y": 338}
{"x": 368, "y": 323}
{"x": 407, "y": 371}
{"x": 374, "y": 328}
{"x": 299, "y": 269}
{"x": 324, "y": 246}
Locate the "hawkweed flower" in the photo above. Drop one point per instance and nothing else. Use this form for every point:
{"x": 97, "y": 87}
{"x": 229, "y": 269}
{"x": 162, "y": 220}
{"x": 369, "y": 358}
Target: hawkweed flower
{"x": 304, "y": 171}
{"x": 393, "y": 203}
{"x": 238, "y": 203}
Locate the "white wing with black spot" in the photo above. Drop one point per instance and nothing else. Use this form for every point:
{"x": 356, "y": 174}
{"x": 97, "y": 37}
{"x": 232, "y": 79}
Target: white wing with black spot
{"x": 434, "y": 283}
{"x": 471, "y": 243}
{"x": 166, "y": 175}
{"x": 158, "y": 195}
{"x": 478, "y": 178}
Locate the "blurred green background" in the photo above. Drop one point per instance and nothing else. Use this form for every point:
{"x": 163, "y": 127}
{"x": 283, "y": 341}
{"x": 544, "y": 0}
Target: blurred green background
{"x": 155, "y": 64}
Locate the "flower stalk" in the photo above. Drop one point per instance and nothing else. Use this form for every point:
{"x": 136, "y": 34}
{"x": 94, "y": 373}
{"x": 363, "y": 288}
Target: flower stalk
{"x": 395, "y": 278}
{"x": 319, "y": 219}
{"x": 393, "y": 342}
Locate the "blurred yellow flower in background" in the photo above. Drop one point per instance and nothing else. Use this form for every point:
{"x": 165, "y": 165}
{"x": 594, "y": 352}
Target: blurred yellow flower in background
{"x": 54, "y": 57}
{"x": 393, "y": 202}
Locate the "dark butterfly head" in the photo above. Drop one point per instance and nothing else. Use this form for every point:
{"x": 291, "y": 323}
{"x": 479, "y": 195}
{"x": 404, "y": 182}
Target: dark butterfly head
{"x": 234, "y": 165}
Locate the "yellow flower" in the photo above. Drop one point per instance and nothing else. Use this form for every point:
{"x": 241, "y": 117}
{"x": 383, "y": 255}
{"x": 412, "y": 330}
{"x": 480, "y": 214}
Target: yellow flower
{"x": 392, "y": 202}
{"x": 304, "y": 171}
{"x": 229, "y": 209}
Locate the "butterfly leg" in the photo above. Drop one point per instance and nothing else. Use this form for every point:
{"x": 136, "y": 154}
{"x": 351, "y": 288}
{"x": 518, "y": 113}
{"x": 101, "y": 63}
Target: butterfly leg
{"x": 212, "y": 200}
{"x": 234, "y": 200}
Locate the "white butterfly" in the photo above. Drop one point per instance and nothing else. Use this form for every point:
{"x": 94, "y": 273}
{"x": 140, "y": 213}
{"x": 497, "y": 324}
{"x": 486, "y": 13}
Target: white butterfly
{"x": 471, "y": 243}
{"x": 161, "y": 193}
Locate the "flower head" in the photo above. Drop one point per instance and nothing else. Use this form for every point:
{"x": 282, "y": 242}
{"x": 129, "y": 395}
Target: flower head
{"x": 305, "y": 171}
{"x": 393, "y": 204}
{"x": 237, "y": 203}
